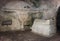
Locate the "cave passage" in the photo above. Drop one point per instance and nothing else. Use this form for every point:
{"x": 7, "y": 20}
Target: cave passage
{"x": 58, "y": 20}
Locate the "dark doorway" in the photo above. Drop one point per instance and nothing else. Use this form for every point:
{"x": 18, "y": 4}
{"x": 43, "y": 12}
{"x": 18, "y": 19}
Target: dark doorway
{"x": 58, "y": 20}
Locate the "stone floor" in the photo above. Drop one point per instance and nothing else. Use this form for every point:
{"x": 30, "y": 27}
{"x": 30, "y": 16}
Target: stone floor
{"x": 25, "y": 36}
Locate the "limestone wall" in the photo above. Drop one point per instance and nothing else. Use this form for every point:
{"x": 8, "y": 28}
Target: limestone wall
{"x": 18, "y": 12}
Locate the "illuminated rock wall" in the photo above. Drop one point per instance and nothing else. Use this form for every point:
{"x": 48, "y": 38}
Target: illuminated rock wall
{"x": 19, "y": 14}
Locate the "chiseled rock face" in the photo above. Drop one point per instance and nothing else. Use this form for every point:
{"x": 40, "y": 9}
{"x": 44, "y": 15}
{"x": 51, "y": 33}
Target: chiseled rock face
{"x": 18, "y": 14}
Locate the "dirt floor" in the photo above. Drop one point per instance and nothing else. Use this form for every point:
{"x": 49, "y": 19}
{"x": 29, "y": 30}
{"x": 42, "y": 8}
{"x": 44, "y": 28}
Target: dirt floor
{"x": 25, "y": 36}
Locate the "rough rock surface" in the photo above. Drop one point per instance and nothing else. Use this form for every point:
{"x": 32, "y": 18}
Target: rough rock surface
{"x": 18, "y": 12}
{"x": 26, "y": 36}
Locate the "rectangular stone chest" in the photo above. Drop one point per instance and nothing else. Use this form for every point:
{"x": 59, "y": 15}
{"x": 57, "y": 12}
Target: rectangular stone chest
{"x": 43, "y": 27}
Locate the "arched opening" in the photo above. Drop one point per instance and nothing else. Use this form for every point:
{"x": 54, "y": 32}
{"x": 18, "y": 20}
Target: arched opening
{"x": 58, "y": 20}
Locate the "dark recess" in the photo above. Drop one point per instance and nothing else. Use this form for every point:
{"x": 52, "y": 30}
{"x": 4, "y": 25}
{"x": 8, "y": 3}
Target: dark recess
{"x": 58, "y": 20}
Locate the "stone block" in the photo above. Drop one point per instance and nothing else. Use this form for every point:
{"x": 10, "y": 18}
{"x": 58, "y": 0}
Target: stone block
{"x": 44, "y": 27}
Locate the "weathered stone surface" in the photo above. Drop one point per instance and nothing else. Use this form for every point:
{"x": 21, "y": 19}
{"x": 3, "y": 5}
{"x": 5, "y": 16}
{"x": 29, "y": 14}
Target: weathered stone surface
{"x": 18, "y": 12}
{"x": 44, "y": 27}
